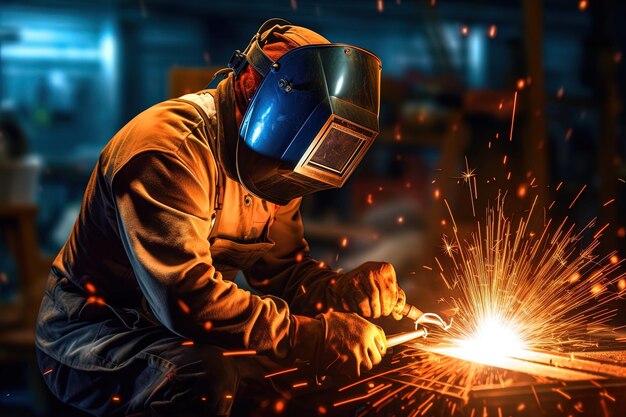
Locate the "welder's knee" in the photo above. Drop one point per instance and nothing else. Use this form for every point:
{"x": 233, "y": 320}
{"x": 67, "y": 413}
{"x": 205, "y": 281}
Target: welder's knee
{"x": 203, "y": 381}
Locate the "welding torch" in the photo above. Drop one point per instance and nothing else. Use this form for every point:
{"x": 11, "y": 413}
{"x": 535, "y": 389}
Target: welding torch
{"x": 411, "y": 312}
{"x": 419, "y": 317}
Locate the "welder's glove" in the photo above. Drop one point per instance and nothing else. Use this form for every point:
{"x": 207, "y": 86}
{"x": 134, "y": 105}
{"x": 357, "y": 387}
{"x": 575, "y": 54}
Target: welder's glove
{"x": 370, "y": 290}
{"x": 350, "y": 345}
{"x": 337, "y": 344}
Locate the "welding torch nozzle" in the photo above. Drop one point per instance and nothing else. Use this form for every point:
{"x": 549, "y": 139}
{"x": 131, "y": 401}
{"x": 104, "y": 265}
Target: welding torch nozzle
{"x": 419, "y": 317}
{"x": 412, "y": 312}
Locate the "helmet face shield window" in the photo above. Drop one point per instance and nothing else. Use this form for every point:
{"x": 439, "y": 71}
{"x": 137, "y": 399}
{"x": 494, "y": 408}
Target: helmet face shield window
{"x": 312, "y": 120}
{"x": 335, "y": 153}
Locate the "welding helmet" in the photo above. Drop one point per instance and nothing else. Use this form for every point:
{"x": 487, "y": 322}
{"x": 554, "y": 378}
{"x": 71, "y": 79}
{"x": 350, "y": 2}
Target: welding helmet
{"x": 311, "y": 120}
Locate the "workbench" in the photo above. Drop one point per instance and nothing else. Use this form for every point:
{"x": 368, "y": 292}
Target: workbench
{"x": 414, "y": 382}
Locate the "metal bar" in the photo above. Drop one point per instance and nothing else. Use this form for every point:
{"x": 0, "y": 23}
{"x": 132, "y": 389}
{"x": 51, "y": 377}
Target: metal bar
{"x": 574, "y": 362}
{"x": 401, "y": 338}
{"x": 519, "y": 365}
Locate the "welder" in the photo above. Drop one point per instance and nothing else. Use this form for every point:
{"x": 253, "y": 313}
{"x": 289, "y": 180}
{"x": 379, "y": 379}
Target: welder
{"x": 141, "y": 314}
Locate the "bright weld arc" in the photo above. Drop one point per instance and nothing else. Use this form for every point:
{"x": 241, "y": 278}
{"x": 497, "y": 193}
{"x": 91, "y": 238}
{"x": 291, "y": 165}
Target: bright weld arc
{"x": 503, "y": 318}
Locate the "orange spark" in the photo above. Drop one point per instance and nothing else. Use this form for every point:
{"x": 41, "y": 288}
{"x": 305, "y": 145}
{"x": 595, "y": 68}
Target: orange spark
{"x": 607, "y": 396}
{"x": 116, "y": 399}
{"x": 380, "y": 6}
{"x": 183, "y": 306}
{"x": 208, "y": 325}
{"x": 299, "y": 257}
{"x": 559, "y": 92}
{"x": 362, "y": 397}
{"x": 582, "y": 5}
{"x": 464, "y": 30}
{"x": 397, "y": 135}
{"x": 285, "y": 371}
{"x": 535, "y": 394}
{"x": 239, "y": 352}
{"x": 300, "y": 384}
{"x": 614, "y": 259}
{"x": 621, "y": 232}
{"x": 344, "y": 242}
{"x": 279, "y": 406}
{"x": 578, "y": 195}
{"x": 400, "y": 219}
{"x": 370, "y": 199}
{"x": 596, "y": 289}
{"x": 95, "y": 300}
{"x": 609, "y": 202}
{"x": 437, "y": 193}
{"x": 90, "y": 288}
{"x": 49, "y": 371}
{"x": 492, "y": 31}
{"x": 521, "y": 83}
{"x": 513, "y": 113}
{"x": 599, "y": 232}
{"x": 521, "y": 190}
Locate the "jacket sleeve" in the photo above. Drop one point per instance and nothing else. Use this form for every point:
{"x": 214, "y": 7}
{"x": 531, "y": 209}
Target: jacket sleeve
{"x": 164, "y": 203}
{"x": 289, "y": 271}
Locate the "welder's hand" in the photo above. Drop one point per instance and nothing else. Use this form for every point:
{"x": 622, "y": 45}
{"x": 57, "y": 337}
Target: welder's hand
{"x": 370, "y": 290}
{"x": 396, "y": 313}
{"x": 351, "y": 344}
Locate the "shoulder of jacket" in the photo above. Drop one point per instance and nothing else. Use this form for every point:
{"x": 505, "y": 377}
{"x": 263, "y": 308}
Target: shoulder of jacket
{"x": 163, "y": 128}
{"x": 203, "y": 101}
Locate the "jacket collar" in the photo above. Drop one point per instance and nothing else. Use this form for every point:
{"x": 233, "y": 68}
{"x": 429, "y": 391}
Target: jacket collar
{"x": 227, "y": 129}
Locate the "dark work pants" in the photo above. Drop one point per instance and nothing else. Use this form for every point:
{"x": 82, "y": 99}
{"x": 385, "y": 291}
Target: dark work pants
{"x": 110, "y": 361}
{"x": 164, "y": 379}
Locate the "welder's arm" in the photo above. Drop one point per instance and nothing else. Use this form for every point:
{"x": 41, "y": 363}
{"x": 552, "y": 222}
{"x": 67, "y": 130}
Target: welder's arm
{"x": 288, "y": 270}
{"x": 164, "y": 204}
